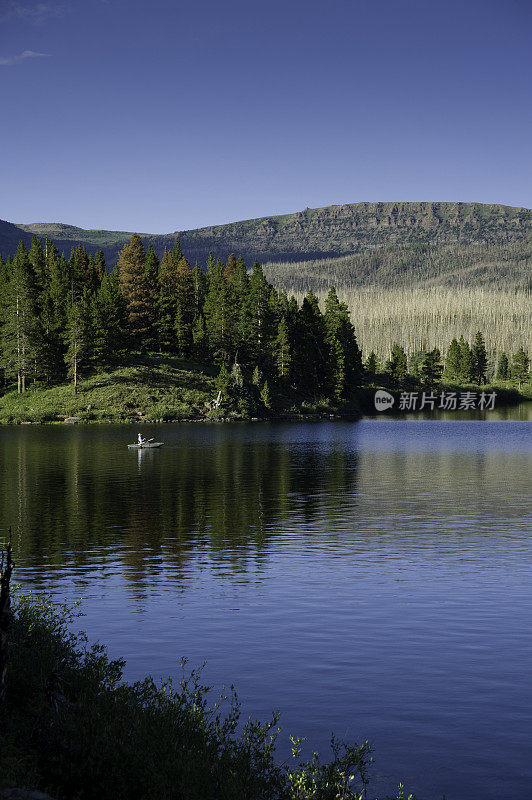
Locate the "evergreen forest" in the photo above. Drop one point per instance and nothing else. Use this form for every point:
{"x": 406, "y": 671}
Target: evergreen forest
{"x": 63, "y": 319}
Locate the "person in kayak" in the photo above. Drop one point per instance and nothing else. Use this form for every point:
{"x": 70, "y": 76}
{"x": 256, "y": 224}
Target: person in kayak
{"x": 141, "y": 439}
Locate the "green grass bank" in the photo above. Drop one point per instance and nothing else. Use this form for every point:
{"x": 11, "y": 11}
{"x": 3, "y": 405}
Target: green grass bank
{"x": 156, "y": 388}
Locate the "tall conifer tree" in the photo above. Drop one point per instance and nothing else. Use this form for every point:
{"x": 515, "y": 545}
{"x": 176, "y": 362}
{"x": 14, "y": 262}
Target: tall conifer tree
{"x": 260, "y": 315}
{"x": 21, "y": 332}
{"x": 311, "y": 346}
{"x": 502, "y": 368}
{"x": 184, "y": 307}
{"x": 152, "y": 273}
{"x": 135, "y": 290}
{"x": 397, "y": 366}
{"x": 218, "y": 313}
{"x": 282, "y": 352}
{"x": 520, "y": 366}
{"x": 109, "y": 323}
{"x": 480, "y": 359}
{"x": 466, "y": 368}
{"x": 78, "y": 338}
{"x": 166, "y": 303}
{"x": 453, "y": 361}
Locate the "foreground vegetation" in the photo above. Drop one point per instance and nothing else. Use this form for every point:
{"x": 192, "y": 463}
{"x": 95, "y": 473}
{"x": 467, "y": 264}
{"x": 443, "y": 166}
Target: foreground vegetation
{"x": 72, "y": 727}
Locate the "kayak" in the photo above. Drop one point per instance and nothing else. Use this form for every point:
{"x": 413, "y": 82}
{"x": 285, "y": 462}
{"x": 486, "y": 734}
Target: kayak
{"x": 145, "y": 445}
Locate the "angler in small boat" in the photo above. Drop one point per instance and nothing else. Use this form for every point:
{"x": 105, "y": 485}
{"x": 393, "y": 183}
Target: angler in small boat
{"x": 142, "y": 442}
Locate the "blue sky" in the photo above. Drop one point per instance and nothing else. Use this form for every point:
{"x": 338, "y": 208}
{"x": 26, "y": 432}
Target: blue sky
{"x": 161, "y": 116}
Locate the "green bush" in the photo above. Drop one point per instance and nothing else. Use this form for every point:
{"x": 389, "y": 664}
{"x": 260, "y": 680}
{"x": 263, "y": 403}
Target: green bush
{"x": 77, "y": 730}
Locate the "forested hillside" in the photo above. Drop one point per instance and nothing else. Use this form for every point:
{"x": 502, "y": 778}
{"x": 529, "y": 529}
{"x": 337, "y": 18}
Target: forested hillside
{"x": 507, "y": 266}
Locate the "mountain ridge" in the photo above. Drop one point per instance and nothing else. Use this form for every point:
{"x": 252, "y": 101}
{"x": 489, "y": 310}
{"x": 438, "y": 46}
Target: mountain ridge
{"x": 328, "y": 232}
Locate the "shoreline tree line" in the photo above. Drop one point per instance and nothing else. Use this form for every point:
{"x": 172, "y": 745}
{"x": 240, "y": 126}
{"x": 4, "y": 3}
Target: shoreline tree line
{"x": 61, "y": 318}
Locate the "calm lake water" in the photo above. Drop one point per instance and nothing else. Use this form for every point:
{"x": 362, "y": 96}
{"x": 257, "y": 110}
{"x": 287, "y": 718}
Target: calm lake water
{"x": 372, "y": 579}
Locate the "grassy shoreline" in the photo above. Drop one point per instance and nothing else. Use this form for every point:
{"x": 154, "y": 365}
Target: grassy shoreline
{"x": 157, "y": 389}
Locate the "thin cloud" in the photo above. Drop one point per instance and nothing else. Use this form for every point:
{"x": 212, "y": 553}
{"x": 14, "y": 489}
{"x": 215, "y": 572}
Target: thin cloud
{"x": 9, "y": 62}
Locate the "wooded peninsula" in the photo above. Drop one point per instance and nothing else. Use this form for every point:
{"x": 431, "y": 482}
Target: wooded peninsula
{"x": 157, "y": 339}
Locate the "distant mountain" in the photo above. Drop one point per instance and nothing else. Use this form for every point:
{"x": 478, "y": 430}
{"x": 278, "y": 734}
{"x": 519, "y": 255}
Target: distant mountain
{"x": 488, "y": 235}
{"x": 10, "y": 236}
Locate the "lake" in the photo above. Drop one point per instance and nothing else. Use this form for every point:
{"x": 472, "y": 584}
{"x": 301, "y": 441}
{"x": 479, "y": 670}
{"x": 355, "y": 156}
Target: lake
{"x": 370, "y": 578}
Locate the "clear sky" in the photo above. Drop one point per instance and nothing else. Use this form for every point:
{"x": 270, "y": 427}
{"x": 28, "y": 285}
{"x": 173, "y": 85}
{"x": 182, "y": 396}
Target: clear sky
{"x": 166, "y": 115}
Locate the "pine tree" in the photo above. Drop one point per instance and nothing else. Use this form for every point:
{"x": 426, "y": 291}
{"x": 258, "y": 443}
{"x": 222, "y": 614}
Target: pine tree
{"x": 265, "y": 395}
{"x": 230, "y": 268}
{"x": 282, "y": 352}
{"x": 345, "y": 358}
{"x": 51, "y": 357}
{"x": 520, "y": 366}
{"x": 431, "y": 367}
{"x": 21, "y": 332}
{"x": 396, "y": 367}
{"x": 200, "y": 346}
{"x": 58, "y": 289}
{"x": 37, "y": 260}
{"x": 260, "y": 315}
{"x": 80, "y": 273}
{"x": 372, "y": 365}
{"x": 166, "y": 303}
{"x": 51, "y": 255}
{"x": 184, "y": 302}
{"x": 480, "y": 359}
{"x": 94, "y": 274}
{"x": 311, "y": 349}
{"x": 152, "y": 274}
{"x": 78, "y": 338}
{"x": 337, "y": 369}
{"x": 256, "y": 378}
{"x": 109, "y": 323}
{"x": 502, "y": 368}
{"x": 217, "y": 312}
{"x": 453, "y": 361}
{"x": 241, "y": 317}
{"x": 199, "y": 281}
{"x": 466, "y": 361}
{"x": 176, "y": 252}
{"x": 100, "y": 267}
{"x": 224, "y": 385}
{"x": 135, "y": 290}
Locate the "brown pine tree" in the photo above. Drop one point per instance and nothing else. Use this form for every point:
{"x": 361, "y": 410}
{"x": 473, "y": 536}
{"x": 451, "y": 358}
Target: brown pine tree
{"x": 135, "y": 290}
{"x": 230, "y": 268}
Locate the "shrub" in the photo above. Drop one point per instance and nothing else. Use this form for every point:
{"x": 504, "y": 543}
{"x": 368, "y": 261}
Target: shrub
{"x": 77, "y": 730}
